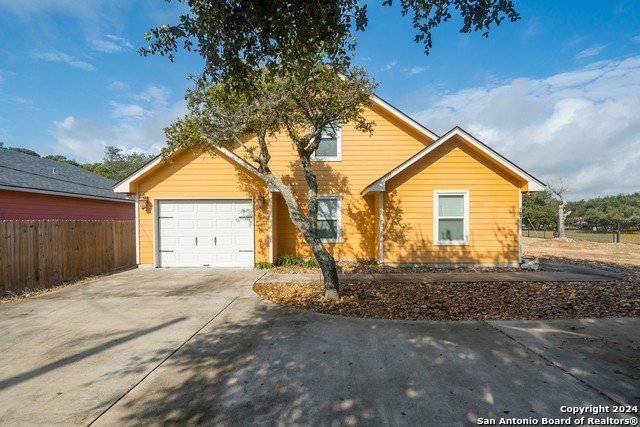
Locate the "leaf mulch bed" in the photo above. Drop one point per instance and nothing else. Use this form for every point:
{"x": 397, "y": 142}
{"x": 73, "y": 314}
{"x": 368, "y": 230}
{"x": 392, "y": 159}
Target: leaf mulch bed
{"x": 360, "y": 267}
{"x": 465, "y": 301}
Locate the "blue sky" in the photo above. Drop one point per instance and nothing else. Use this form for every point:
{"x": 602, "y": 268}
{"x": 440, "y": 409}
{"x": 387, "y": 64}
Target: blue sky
{"x": 557, "y": 92}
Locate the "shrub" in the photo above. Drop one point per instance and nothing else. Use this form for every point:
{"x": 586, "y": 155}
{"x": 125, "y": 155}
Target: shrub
{"x": 288, "y": 260}
{"x": 263, "y": 265}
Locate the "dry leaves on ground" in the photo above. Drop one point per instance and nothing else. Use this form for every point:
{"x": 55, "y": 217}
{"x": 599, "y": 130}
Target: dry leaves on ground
{"x": 367, "y": 267}
{"x": 464, "y": 301}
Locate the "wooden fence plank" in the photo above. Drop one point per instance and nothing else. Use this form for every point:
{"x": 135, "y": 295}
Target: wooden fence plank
{"x": 43, "y": 253}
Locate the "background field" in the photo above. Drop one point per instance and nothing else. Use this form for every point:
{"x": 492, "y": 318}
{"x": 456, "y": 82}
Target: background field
{"x": 586, "y": 235}
{"x": 617, "y": 253}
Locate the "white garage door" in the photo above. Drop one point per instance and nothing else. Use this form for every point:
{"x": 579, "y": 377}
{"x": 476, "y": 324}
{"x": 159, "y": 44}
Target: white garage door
{"x": 196, "y": 233}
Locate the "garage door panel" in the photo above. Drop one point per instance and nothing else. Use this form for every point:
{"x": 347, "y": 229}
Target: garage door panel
{"x": 184, "y": 241}
{"x": 205, "y": 240}
{"x": 205, "y": 223}
{"x": 243, "y": 241}
{"x": 224, "y": 224}
{"x": 225, "y": 243}
{"x": 224, "y": 206}
{"x": 223, "y": 228}
{"x": 186, "y": 224}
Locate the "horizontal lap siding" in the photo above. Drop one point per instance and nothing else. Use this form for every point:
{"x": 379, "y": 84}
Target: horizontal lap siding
{"x": 22, "y": 205}
{"x": 364, "y": 159}
{"x": 202, "y": 176}
{"x": 493, "y": 206}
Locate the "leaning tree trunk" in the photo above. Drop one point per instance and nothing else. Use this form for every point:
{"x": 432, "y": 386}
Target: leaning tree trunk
{"x": 309, "y": 232}
{"x": 327, "y": 266}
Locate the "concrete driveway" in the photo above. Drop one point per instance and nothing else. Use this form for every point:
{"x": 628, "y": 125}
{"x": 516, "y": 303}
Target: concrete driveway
{"x": 198, "y": 347}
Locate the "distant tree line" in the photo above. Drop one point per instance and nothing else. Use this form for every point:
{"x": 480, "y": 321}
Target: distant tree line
{"x": 608, "y": 213}
{"x": 114, "y": 165}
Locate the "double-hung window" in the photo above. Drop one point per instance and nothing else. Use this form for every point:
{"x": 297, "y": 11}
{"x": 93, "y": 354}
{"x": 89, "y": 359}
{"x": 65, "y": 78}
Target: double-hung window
{"x": 451, "y": 217}
{"x": 330, "y": 148}
{"x": 329, "y": 218}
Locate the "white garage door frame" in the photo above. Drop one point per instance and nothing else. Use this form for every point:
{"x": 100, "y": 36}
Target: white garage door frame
{"x": 156, "y": 220}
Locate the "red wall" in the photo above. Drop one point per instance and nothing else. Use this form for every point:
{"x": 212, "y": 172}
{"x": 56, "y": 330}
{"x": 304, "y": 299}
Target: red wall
{"x": 24, "y": 205}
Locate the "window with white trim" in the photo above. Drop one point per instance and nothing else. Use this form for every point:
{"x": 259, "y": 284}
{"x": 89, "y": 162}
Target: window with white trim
{"x": 330, "y": 148}
{"x": 329, "y": 218}
{"x": 451, "y": 217}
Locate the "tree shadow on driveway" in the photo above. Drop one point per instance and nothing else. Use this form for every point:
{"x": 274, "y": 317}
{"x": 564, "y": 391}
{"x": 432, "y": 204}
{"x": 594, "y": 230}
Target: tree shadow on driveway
{"x": 262, "y": 363}
{"x": 59, "y": 363}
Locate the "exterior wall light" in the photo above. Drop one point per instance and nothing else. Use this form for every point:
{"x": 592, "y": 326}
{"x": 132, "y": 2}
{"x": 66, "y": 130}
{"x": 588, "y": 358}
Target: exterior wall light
{"x": 143, "y": 200}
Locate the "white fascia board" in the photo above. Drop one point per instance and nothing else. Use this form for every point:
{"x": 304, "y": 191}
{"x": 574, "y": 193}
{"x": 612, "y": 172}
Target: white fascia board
{"x": 533, "y": 183}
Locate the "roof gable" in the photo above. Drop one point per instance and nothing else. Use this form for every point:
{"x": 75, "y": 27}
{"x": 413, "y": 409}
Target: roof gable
{"x": 126, "y": 185}
{"x": 533, "y": 183}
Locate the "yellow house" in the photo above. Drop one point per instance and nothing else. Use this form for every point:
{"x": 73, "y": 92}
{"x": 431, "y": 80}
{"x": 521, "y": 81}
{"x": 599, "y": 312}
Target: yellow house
{"x": 402, "y": 196}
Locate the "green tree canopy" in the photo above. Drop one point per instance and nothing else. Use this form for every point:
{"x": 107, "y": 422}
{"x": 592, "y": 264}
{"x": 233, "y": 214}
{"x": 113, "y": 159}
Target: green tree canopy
{"x": 24, "y": 151}
{"x": 237, "y": 37}
{"x": 117, "y": 165}
{"x": 62, "y": 159}
{"x": 607, "y": 212}
{"x": 539, "y": 210}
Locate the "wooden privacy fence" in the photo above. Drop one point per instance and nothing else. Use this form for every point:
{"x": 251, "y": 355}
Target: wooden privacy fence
{"x": 43, "y": 253}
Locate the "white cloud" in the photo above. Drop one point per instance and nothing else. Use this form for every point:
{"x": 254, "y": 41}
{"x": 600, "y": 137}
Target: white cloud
{"x": 92, "y": 15}
{"x": 118, "y": 85}
{"x": 388, "y": 66}
{"x": 55, "y": 56}
{"x": 636, "y": 39}
{"x": 582, "y": 126}
{"x": 130, "y": 126}
{"x": 590, "y": 52}
{"x": 415, "y": 70}
{"x": 111, "y": 44}
{"x": 19, "y": 99}
{"x": 126, "y": 110}
{"x": 158, "y": 96}
{"x": 82, "y": 140}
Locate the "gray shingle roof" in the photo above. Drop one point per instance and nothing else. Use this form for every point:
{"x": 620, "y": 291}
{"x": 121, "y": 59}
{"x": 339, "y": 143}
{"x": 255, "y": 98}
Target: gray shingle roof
{"x": 34, "y": 173}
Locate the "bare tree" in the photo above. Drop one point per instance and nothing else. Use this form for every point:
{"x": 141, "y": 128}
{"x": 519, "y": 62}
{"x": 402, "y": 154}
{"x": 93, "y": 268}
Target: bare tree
{"x": 559, "y": 191}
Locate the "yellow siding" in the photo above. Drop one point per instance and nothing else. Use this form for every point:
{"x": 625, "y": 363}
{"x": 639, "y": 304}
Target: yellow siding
{"x": 364, "y": 159}
{"x": 493, "y": 209}
{"x": 408, "y": 200}
{"x": 201, "y": 176}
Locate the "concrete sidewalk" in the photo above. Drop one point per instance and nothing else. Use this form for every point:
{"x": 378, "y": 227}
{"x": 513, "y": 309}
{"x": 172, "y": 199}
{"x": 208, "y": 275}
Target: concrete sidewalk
{"x": 560, "y": 273}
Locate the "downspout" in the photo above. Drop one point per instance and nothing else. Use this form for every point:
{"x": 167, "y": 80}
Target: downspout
{"x": 270, "y": 206}
{"x": 519, "y": 226}
{"x": 137, "y": 228}
{"x": 381, "y": 227}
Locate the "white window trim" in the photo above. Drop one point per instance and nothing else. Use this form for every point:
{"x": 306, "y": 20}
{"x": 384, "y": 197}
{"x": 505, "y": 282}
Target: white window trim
{"x": 337, "y": 158}
{"x": 338, "y": 239}
{"x": 436, "y": 217}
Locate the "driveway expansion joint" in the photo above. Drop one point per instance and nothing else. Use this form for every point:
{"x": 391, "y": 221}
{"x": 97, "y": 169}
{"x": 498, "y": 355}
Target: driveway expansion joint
{"x": 170, "y": 355}
{"x": 550, "y": 362}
